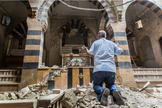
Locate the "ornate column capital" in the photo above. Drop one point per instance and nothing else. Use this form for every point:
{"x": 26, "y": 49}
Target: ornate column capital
{"x": 118, "y": 27}
{"x": 38, "y": 25}
{"x": 33, "y": 23}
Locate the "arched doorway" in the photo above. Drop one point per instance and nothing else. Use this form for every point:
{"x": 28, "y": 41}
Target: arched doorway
{"x": 85, "y": 23}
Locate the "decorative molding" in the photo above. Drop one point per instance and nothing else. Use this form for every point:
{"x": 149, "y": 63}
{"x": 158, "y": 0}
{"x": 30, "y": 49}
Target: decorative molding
{"x": 40, "y": 9}
{"x": 44, "y": 25}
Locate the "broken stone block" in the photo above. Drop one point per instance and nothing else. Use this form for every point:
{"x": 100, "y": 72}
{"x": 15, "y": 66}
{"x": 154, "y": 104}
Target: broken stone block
{"x": 87, "y": 98}
{"x": 82, "y": 105}
{"x": 48, "y": 92}
{"x": 92, "y": 104}
{"x": 31, "y": 95}
{"x": 86, "y": 103}
{"x": 79, "y": 97}
{"x": 78, "y": 87}
{"x": 37, "y": 96}
{"x": 90, "y": 85}
{"x": 34, "y": 89}
{"x": 42, "y": 93}
{"x": 32, "y": 86}
{"x": 23, "y": 92}
{"x": 56, "y": 91}
{"x": 69, "y": 99}
{"x": 12, "y": 96}
{"x": 82, "y": 90}
{"x": 81, "y": 94}
{"x": 158, "y": 85}
{"x": 3, "y": 97}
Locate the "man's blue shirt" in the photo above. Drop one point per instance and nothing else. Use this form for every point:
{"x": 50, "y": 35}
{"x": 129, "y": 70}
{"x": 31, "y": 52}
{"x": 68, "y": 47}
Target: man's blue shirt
{"x": 103, "y": 51}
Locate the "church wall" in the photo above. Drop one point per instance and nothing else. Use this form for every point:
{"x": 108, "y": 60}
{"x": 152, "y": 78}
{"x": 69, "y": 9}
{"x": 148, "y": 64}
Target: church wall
{"x": 152, "y": 28}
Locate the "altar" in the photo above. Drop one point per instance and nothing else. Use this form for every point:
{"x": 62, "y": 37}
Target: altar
{"x": 80, "y": 69}
{"x": 76, "y": 60}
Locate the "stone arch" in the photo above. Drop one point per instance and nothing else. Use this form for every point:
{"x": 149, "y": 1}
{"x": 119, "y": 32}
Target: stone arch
{"x": 29, "y": 10}
{"x": 154, "y": 6}
{"x": 51, "y": 4}
{"x": 64, "y": 24}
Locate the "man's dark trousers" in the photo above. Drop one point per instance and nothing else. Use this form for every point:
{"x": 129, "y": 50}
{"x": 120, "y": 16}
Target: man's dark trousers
{"x": 103, "y": 76}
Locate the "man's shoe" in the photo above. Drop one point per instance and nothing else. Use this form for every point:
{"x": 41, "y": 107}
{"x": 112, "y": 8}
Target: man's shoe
{"x": 104, "y": 97}
{"x": 118, "y": 98}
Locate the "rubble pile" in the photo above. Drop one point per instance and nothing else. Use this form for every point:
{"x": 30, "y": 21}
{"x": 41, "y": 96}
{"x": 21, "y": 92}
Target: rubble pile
{"x": 85, "y": 97}
{"x": 136, "y": 99}
{"x": 30, "y": 92}
{"x": 81, "y": 97}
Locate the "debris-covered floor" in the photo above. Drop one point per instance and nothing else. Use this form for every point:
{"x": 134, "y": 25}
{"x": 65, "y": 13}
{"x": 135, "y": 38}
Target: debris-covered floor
{"x": 85, "y": 97}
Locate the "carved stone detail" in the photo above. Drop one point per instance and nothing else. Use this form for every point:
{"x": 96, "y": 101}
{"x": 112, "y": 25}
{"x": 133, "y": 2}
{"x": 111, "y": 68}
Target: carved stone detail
{"x": 110, "y": 29}
{"x": 40, "y": 9}
{"x": 44, "y": 25}
{"x": 32, "y": 22}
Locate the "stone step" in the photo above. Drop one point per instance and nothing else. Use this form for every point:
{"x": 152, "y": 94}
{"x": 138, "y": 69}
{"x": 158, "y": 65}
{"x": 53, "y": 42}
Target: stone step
{"x": 18, "y": 104}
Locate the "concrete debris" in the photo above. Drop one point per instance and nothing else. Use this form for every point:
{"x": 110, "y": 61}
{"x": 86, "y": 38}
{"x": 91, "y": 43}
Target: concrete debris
{"x": 85, "y": 96}
{"x": 158, "y": 85}
{"x": 3, "y": 97}
{"x": 55, "y": 67}
{"x": 12, "y": 96}
{"x": 136, "y": 99}
{"x": 56, "y": 91}
{"x": 43, "y": 66}
{"x": 30, "y": 92}
{"x": 23, "y": 92}
{"x": 31, "y": 95}
{"x": 69, "y": 99}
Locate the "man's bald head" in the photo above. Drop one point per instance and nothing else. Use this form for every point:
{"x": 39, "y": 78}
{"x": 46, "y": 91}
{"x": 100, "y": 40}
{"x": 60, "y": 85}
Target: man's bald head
{"x": 102, "y": 34}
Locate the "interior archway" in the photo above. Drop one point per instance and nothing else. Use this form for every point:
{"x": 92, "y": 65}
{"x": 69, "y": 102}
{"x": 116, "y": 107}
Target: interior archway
{"x": 69, "y": 24}
{"x": 142, "y": 20}
{"x": 16, "y": 11}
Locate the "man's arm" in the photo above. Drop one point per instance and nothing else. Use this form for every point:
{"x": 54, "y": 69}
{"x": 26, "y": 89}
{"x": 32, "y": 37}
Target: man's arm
{"x": 119, "y": 50}
{"x": 86, "y": 50}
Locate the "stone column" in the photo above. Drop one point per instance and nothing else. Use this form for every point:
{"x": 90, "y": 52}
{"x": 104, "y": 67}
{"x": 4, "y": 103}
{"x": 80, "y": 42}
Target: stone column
{"x": 9, "y": 44}
{"x": 123, "y": 62}
{"x": 33, "y": 52}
